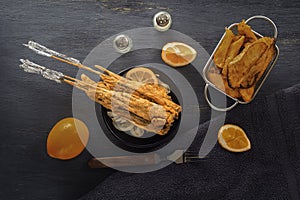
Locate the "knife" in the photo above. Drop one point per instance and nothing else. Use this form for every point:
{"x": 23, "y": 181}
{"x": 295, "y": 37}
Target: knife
{"x": 178, "y": 156}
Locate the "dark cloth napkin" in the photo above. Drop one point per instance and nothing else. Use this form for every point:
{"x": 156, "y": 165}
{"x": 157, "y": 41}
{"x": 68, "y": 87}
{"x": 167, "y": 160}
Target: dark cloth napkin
{"x": 270, "y": 170}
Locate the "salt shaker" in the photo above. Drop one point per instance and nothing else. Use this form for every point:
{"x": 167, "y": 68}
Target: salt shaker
{"x": 122, "y": 43}
{"x": 162, "y": 21}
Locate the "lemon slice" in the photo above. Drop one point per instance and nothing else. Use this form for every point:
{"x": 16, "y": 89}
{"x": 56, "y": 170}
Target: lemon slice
{"x": 137, "y": 132}
{"x": 177, "y": 54}
{"x": 142, "y": 74}
{"x": 122, "y": 125}
{"x": 233, "y": 138}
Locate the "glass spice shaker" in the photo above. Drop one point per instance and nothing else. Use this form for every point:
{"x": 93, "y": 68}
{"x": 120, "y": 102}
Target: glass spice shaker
{"x": 162, "y": 21}
{"x": 122, "y": 43}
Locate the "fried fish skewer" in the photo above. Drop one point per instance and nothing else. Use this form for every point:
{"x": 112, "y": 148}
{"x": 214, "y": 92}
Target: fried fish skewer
{"x": 111, "y": 79}
{"x": 152, "y": 92}
{"x": 141, "y": 112}
{"x": 31, "y": 67}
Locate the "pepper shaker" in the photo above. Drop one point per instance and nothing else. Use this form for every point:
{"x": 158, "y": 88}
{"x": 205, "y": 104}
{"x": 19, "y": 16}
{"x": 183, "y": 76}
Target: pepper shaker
{"x": 162, "y": 21}
{"x": 122, "y": 43}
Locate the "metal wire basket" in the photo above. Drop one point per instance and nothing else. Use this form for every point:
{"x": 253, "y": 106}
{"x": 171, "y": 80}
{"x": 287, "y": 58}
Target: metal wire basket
{"x": 259, "y": 84}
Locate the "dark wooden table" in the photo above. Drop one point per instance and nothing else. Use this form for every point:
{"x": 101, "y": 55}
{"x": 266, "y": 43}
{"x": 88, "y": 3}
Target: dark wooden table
{"x": 30, "y": 105}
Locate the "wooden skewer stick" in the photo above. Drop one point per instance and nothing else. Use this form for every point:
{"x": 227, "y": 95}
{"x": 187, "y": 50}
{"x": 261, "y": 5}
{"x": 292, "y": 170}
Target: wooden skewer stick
{"x": 78, "y": 83}
{"x": 74, "y": 85}
{"x": 108, "y": 72}
{"x": 79, "y": 65}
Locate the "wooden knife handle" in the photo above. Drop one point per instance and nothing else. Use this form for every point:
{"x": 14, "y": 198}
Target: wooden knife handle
{"x": 124, "y": 161}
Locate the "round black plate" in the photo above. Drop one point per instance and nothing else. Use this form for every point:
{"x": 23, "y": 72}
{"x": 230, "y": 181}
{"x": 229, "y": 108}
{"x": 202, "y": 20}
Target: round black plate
{"x": 145, "y": 144}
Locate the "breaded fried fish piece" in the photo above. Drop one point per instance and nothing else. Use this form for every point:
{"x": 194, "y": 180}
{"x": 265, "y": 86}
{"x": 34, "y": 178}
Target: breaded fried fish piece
{"x": 220, "y": 81}
{"x": 258, "y": 69}
{"x": 221, "y": 53}
{"x": 242, "y": 63}
{"x": 247, "y": 93}
{"x": 270, "y": 55}
{"x": 245, "y": 29}
{"x": 233, "y": 51}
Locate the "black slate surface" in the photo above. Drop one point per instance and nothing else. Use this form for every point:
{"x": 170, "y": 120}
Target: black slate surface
{"x": 30, "y": 105}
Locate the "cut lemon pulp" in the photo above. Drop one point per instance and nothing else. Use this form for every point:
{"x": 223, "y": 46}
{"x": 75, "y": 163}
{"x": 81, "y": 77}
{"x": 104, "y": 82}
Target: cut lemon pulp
{"x": 67, "y": 139}
{"x": 177, "y": 54}
{"x": 233, "y": 138}
{"x": 142, "y": 74}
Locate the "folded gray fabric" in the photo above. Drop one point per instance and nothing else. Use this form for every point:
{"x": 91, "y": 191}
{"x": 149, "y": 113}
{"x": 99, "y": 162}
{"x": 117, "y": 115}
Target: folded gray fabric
{"x": 270, "y": 170}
